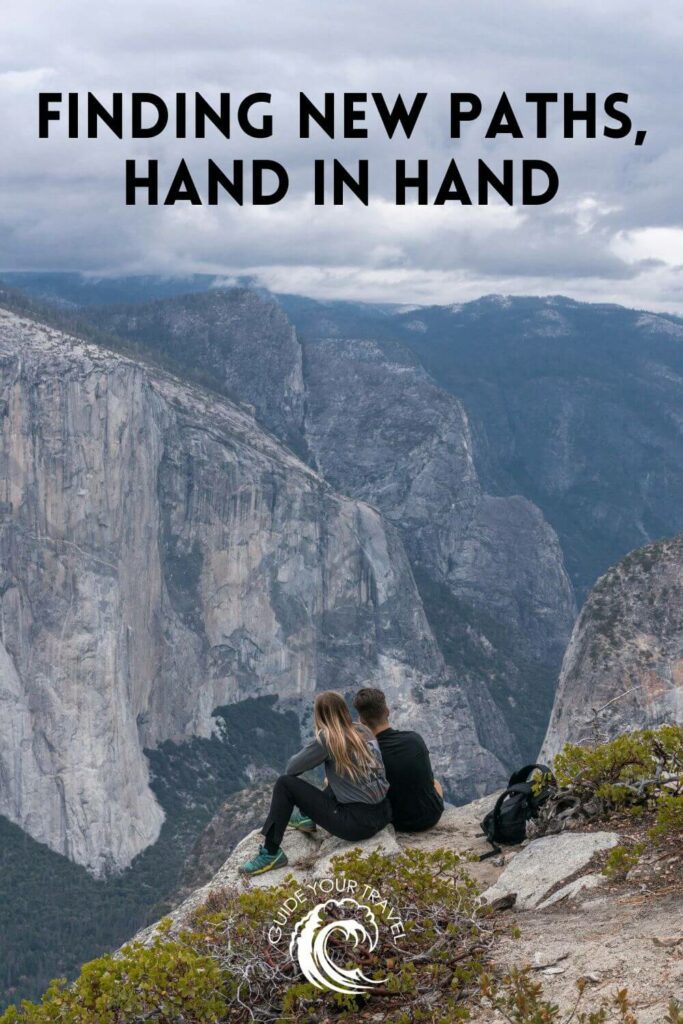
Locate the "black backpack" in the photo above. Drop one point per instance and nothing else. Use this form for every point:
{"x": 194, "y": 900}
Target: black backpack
{"x": 506, "y": 823}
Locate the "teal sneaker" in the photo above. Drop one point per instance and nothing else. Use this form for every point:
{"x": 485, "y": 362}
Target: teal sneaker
{"x": 302, "y": 823}
{"x": 264, "y": 861}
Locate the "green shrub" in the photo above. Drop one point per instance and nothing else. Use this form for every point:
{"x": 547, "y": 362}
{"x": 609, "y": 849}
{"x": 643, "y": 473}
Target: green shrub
{"x": 669, "y": 821}
{"x": 164, "y": 983}
{"x": 433, "y": 894}
{"x": 520, "y": 1000}
{"x": 621, "y": 859}
{"x": 222, "y": 967}
{"x": 636, "y": 773}
{"x": 627, "y": 770}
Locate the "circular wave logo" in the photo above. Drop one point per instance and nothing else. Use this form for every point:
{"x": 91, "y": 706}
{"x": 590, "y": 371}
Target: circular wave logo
{"x": 311, "y": 940}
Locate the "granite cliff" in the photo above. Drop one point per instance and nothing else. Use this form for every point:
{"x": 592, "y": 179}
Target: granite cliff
{"x": 573, "y": 405}
{"x": 623, "y": 669}
{"x": 162, "y": 555}
{"x": 240, "y": 343}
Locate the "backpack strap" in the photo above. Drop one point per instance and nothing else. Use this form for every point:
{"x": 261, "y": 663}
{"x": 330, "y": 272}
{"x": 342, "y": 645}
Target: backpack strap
{"x": 519, "y": 787}
{"x": 492, "y": 853}
{"x": 523, "y": 774}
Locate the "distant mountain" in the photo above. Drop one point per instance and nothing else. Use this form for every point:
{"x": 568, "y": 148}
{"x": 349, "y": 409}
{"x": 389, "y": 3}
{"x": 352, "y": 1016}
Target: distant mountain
{"x": 576, "y": 406}
{"x": 623, "y": 669}
{"x": 71, "y": 289}
{"x": 572, "y": 405}
{"x": 238, "y": 342}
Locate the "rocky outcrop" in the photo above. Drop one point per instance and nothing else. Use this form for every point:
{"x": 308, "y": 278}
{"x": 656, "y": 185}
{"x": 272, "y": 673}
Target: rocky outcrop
{"x": 536, "y": 872}
{"x": 162, "y": 555}
{"x": 310, "y": 856}
{"x": 623, "y": 669}
{"x": 213, "y": 335}
{"x": 526, "y": 874}
{"x": 569, "y": 925}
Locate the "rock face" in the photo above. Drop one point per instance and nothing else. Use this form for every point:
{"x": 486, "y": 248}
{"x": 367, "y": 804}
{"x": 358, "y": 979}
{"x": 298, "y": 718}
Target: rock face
{"x": 490, "y": 569}
{"x": 545, "y": 863}
{"x": 234, "y": 836}
{"x": 376, "y": 425}
{"x": 214, "y": 333}
{"x": 623, "y": 668}
{"x": 573, "y": 405}
{"x": 162, "y": 555}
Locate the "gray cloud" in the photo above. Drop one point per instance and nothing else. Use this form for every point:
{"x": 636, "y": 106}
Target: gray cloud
{"x": 615, "y": 232}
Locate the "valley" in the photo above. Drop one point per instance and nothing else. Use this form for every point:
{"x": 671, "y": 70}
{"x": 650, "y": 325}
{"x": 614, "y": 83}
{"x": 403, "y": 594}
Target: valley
{"x": 211, "y": 496}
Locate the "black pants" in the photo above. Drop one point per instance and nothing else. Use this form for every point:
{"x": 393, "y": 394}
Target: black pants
{"x": 346, "y": 821}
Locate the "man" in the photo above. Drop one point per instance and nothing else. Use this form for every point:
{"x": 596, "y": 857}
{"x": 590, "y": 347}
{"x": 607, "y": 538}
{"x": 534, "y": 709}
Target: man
{"x": 416, "y": 798}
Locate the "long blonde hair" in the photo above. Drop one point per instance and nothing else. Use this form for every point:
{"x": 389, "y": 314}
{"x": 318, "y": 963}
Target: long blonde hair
{"x": 344, "y": 740}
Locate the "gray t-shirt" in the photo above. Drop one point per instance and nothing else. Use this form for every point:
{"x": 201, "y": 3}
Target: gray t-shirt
{"x": 369, "y": 790}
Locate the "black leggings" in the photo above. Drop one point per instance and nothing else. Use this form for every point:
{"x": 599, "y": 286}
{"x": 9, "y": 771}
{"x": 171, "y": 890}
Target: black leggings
{"x": 346, "y": 821}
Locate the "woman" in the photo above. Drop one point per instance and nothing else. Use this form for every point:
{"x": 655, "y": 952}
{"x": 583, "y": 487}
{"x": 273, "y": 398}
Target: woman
{"x": 353, "y": 805}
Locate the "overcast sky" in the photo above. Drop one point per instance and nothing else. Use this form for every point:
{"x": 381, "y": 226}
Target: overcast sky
{"x": 614, "y": 233}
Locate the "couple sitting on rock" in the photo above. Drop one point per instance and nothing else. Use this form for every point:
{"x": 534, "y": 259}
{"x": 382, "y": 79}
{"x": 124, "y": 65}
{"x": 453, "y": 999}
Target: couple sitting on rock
{"x": 373, "y": 775}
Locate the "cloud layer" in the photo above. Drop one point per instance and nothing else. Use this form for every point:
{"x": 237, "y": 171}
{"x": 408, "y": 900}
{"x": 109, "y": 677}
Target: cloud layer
{"x": 615, "y": 232}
